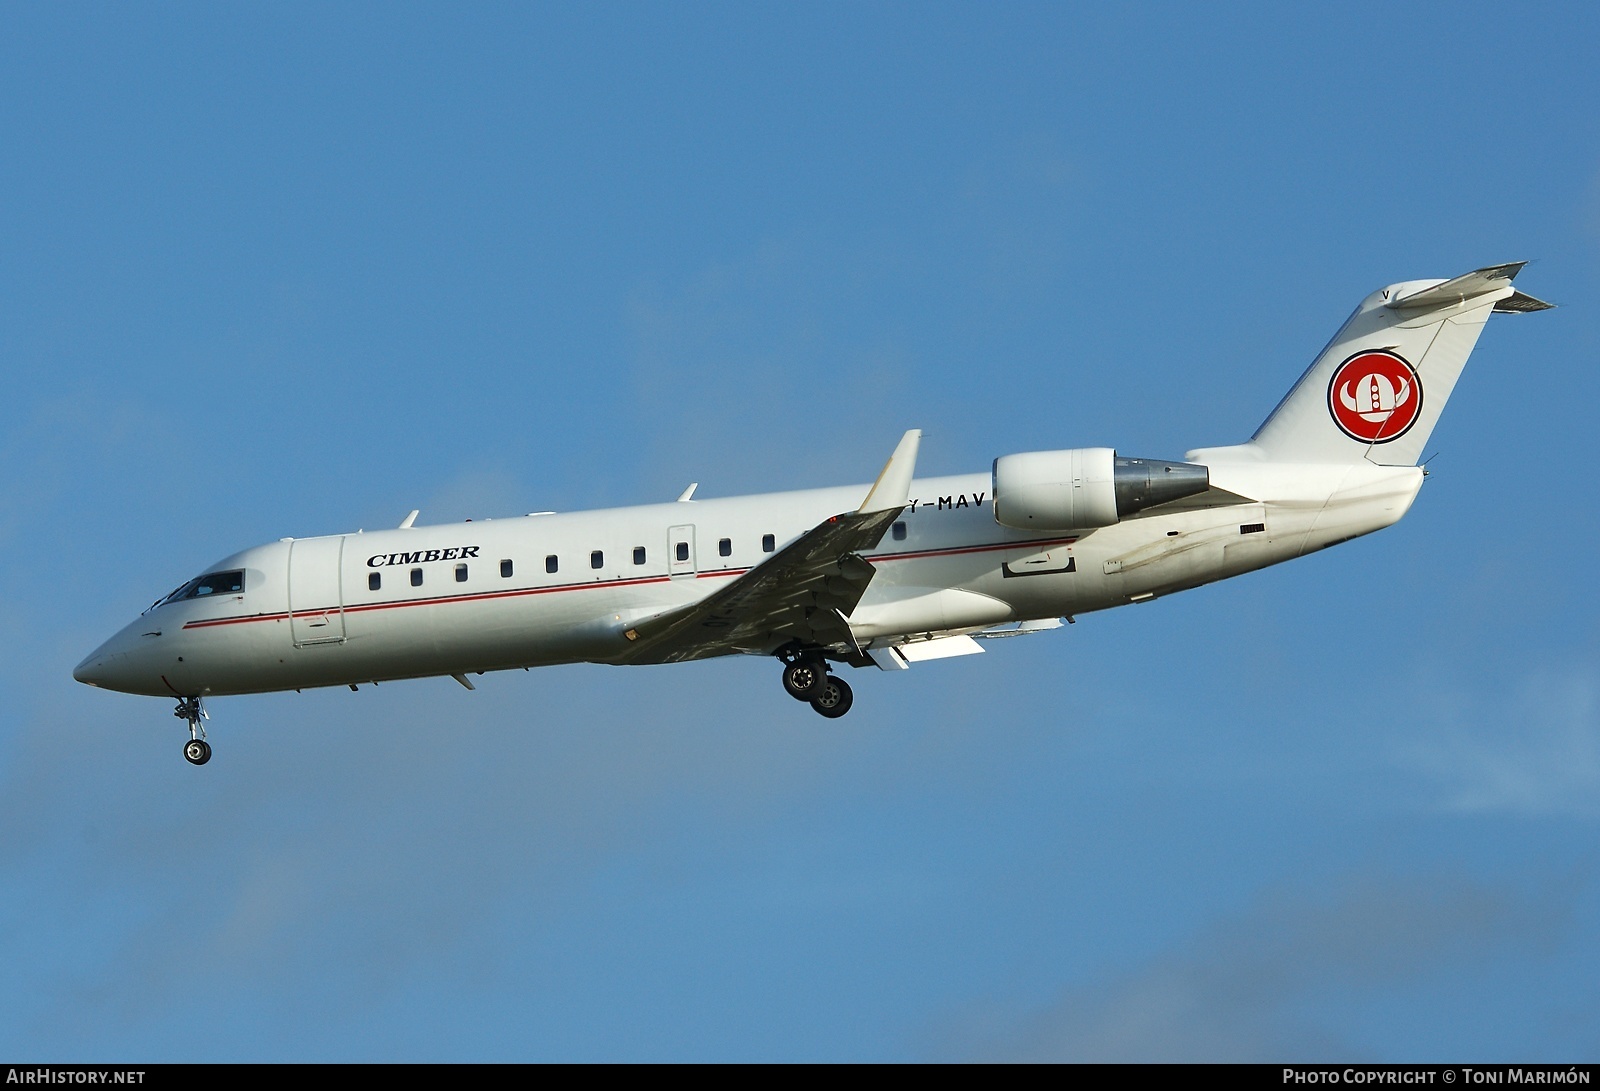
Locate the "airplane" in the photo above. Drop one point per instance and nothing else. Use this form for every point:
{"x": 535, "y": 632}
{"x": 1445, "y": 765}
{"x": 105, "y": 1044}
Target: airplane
{"x": 887, "y": 575}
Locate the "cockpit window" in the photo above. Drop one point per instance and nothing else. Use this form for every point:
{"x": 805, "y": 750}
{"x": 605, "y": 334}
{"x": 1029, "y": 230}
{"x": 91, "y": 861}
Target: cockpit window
{"x": 213, "y": 583}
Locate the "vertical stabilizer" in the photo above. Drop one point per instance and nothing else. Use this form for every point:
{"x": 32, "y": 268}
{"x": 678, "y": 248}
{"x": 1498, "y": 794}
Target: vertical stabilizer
{"x": 1377, "y": 390}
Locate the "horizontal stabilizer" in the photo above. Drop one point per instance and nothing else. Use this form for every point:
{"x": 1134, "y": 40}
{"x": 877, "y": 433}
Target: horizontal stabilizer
{"x": 1459, "y": 289}
{"x": 1521, "y": 303}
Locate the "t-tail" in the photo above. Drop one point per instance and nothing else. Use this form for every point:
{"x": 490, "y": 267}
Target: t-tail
{"x": 1377, "y": 390}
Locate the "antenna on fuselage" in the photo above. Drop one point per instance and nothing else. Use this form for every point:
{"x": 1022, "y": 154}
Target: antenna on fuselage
{"x": 405, "y": 524}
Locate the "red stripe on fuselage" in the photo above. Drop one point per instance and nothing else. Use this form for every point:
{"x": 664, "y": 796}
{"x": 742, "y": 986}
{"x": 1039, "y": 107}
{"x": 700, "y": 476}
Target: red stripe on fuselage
{"x": 482, "y": 596}
{"x": 478, "y": 596}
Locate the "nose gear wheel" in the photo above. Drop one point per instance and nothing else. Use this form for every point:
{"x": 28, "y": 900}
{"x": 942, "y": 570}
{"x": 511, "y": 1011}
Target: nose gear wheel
{"x": 196, "y": 751}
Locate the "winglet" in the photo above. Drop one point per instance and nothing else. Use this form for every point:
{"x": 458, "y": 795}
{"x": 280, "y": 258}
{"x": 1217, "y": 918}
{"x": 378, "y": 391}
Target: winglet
{"x": 412, "y": 518}
{"x": 893, "y": 487}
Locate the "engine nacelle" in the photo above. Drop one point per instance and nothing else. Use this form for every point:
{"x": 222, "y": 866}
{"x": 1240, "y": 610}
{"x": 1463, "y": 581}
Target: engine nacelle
{"x": 1086, "y": 487}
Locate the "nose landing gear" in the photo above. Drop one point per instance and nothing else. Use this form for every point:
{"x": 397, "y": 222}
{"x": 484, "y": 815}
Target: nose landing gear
{"x": 196, "y": 751}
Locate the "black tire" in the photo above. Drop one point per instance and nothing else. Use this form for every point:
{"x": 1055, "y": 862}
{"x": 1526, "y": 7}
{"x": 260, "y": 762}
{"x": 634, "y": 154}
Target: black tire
{"x": 197, "y": 751}
{"x": 835, "y": 699}
{"x": 805, "y": 678}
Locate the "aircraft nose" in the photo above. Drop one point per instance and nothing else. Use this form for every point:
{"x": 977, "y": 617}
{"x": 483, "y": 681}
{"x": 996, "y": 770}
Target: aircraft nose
{"x": 113, "y": 665}
{"x": 98, "y": 669}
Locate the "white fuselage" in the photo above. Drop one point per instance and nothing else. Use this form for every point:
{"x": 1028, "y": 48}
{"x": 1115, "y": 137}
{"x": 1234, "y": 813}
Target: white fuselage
{"x": 480, "y": 596}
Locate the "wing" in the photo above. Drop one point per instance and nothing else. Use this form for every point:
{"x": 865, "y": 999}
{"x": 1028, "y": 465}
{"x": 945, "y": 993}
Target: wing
{"x": 806, "y": 591}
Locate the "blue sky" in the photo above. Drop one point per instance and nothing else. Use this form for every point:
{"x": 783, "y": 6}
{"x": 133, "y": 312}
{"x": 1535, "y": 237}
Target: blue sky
{"x": 298, "y": 270}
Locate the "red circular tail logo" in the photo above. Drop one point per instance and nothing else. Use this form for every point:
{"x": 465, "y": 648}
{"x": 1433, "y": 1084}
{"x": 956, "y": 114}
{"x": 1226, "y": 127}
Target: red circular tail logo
{"x": 1375, "y": 396}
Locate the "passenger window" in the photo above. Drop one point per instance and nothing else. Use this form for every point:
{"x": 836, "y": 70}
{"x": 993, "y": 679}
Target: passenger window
{"x": 505, "y": 570}
{"x": 638, "y": 554}
{"x": 725, "y": 547}
{"x": 683, "y": 551}
{"x": 768, "y": 543}
{"x": 551, "y": 564}
{"x": 461, "y": 573}
{"x": 374, "y": 580}
{"x": 416, "y": 577}
{"x": 899, "y": 532}
{"x": 597, "y": 559}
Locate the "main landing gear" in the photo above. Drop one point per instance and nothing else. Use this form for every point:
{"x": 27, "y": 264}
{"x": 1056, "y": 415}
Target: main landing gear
{"x": 806, "y": 678}
{"x": 196, "y": 751}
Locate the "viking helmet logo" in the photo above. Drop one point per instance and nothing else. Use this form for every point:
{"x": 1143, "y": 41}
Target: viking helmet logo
{"x": 1375, "y": 396}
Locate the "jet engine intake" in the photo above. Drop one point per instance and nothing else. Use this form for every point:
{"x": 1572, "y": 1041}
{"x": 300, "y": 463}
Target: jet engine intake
{"x": 1086, "y": 487}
